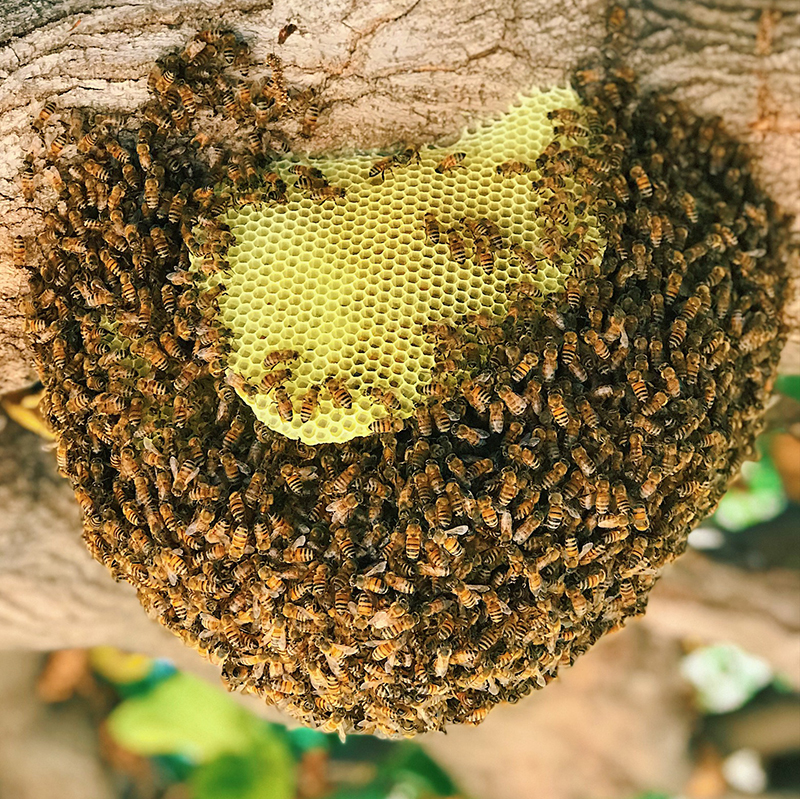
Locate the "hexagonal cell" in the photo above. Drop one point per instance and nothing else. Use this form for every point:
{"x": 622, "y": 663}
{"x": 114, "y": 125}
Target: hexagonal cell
{"x": 352, "y": 283}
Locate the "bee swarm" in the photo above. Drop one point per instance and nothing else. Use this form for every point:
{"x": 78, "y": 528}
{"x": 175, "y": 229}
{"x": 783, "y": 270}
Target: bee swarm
{"x": 406, "y": 580}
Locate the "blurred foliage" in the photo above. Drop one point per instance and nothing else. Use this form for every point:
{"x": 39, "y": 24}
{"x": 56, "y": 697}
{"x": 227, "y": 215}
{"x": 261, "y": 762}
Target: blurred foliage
{"x": 724, "y": 677}
{"x": 789, "y": 385}
{"x": 758, "y": 497}
{"x": 196, "y": 734}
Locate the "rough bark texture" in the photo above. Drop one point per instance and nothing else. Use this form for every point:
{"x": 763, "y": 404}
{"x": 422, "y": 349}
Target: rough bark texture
{"x": 390, "y": 71}
{"x": 414, "y": 70}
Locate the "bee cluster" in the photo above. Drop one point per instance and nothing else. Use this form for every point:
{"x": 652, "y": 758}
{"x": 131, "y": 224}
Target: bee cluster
{"x": 417, "y": 577}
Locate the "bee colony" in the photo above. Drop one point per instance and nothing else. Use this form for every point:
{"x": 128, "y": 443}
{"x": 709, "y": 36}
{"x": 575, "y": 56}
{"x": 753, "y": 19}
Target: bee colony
{"x": 565, "y": 441}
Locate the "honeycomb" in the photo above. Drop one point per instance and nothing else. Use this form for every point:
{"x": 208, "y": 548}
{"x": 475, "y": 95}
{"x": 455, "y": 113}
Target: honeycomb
{"x": 350, "y": 284}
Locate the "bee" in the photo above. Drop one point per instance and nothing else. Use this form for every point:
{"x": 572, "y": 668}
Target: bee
{"x": 432, "y": 231}
{"x": 550, "y": 364}
{"x": 571, "y": 553}
{"x": 515, "y": 403}
{"x": 526, "y": 257}
{"x": 284, "y": 404}
{"x": 509, "y": 487}
{"x": 638, "y": 386}
{"x": 386, "y": 425}
{"x": 484, "y": 255}
{"x": 555, "y": 513}
{"x": 583, "y": 461}
{"x": 651, "y": 483}
{"x": 387, "y": 398}
{"x": 677, "y": 333}
{"x": 658, "y": 401}
{"x": 450, "y": 162}
{"x": 381, "y": 167}
{"x": 440, "y": 417}
{"x": 27, "y": 179}
{"x": 47, "y": 110}
{"x": 555, "y": 402}
{"x": 642, "y": 181}
{"x": 640, "y": 519}
{"x": 309, "y": 403}
{"x": 457, "y": 248}
{"x": 339, "y": 394}
{"x": 57, "y": 145}
{"x": 554, "y": 476}
{"x": 592, "y": 338}
{"x": 238, "y": 542}
{"x": 510, "y": 168}
{"x": 496, "y": 417}
{"x": 18, "y": 252}
{"x": 523, "y": 368}
{"x": 322, "y": 193}
{"x": 671, "y": 381}
{"x": 310, "y": 120}
{"x": 471, "y": 435}
{"x": 274, "y": 378}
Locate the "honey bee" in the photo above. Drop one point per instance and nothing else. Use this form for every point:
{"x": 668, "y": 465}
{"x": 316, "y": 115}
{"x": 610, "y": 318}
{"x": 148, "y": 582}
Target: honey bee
{"x": 555, "y": 402}
{"x": 677, "y": 333}
{"x": 583, "y": 461}
{"x": 457, "y": 248}
{"x": 310, "y": 120}
{"x": 484, "y": 255}
{"x": 509, "y": 487}
{"x": 238, "y": 543}
{"x": 523, "y": 368}
{"x": 592, "y": 338}
{"x": 658, "y": 401}
{"x": 642, "y": 181}
{"x": 381, "y": 167}
{"x": 309, "y": 403}
{"x": 284, "y": 404}
{"x": 57, "y": 145}
{"x": 515, "y": 403}
{"x": 640, "y": 519}
{"x": 322, "y": 193}
{"x": 555, "y": 513}
{"x": 450, "y": 162}
{"x": 340, "y": 396}
{"x": 510, "y": 168}
{"x": 471, "y": 435}
{"x": 274, "y": 378}
{"x": 432, "y": 231}
{"x": 649, "y": 486}
{"x": 386, "y": 425}
{"x": 496, "y": 417}
{"x": 18, "y": 252}
{"x": 387, "y": 398}
{"x": 638, "y": 386}
{"x": 526, "y": 257}
{"x": 550, "y": 364}
{"x": 554, "y": 476}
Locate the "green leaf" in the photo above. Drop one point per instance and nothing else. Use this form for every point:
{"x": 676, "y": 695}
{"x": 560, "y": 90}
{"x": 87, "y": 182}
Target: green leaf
{"x": 414, "y": 765}
{"x": 265, "y": 772}
{"x": 183, "y": 715}
{"x": 789, "y": 385}
{"x": 762, "y": 499}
